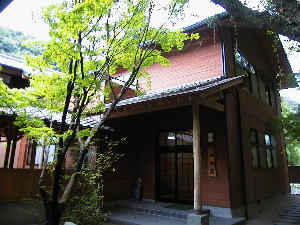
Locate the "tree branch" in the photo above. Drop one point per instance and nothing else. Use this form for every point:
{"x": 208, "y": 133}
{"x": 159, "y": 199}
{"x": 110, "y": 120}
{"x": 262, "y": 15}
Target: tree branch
{"x": 277, "y": 22}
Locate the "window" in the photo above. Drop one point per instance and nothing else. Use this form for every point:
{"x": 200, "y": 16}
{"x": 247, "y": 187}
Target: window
{"x": 268, "y": 148}
{"x": 39, "y": 157}
{"x": 255, "y": 148}
{"x": 244, "y": 67}
{"x": 268, "y": 95}
{"x": 180, "y": 138}
{"x": 123, "y": 78}
{"x": 263, "y": 150}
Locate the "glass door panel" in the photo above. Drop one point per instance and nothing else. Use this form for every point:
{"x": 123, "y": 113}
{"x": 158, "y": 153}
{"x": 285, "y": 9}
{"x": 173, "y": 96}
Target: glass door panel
{"x": 176, "y": 166}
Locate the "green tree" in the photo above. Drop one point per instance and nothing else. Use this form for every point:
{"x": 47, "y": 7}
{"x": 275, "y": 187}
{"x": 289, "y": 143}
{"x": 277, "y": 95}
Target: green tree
{"x": 290, "y": 122}
{"x": 90, "y": 40}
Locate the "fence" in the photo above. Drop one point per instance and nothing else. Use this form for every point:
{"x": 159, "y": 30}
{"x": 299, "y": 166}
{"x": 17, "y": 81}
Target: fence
{"x": 18, "y": 184}
{"x": 294, "y": 174}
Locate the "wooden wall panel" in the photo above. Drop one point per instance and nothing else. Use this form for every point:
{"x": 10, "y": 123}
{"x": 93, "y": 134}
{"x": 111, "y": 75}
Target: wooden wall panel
{"x": 19, "y": 184}
{"x": 247, "y": 158}
{"x": 235, "y": 156}
{"x": 260, "y": 183}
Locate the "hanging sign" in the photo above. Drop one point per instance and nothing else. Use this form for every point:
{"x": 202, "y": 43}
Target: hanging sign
{"x": 212, "y": 162}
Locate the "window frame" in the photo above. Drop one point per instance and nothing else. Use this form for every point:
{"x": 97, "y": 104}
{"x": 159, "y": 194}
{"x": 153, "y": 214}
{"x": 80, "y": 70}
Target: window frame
{"x": 265, "y": 151}
{"x": 247, "y": 66}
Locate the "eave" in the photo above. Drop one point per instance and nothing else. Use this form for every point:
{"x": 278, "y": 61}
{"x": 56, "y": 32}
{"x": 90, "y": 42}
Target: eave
{"x": 206, "y": 93}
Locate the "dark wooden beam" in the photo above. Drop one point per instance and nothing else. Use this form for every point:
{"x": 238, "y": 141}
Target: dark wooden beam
{"x": 213, "y": 105}
{"x": 7, "y": 152}
{"x": 160, "y": 105}
{"x": 32, "y": 148}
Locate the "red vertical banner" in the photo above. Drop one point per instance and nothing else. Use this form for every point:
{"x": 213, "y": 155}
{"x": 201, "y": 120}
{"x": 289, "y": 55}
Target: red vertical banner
{"x": 212, "y": 162}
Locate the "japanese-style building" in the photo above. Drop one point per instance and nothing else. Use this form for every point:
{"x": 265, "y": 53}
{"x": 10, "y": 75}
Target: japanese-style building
{"x": 200, "y": 134}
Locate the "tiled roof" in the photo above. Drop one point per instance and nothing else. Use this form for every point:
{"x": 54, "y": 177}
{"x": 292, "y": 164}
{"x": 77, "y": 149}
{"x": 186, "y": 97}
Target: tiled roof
{"x": 177, "y": 91}
{"x": 46, "y": 115}
{"x": 14, "y": 63}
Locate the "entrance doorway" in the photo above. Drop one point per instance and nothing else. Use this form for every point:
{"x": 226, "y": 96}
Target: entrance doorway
{"x": 176, "y": 166}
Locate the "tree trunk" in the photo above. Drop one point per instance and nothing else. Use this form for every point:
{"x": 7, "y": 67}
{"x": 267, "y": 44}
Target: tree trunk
{"x": 53, "y": 214}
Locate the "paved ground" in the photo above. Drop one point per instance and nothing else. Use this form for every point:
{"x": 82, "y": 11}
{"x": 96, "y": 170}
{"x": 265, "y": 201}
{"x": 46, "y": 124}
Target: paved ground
{"x": 287, "y": 213}
{"x": 20, "y": 213}
{"x": 130, "y": 212}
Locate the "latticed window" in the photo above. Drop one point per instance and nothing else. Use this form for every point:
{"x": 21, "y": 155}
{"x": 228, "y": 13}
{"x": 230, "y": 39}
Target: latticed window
{"x": 263, "y": 150}
{"x": 244, "y": 67}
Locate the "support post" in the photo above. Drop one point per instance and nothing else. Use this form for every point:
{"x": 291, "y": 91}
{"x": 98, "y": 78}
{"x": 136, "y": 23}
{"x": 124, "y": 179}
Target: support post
{"x": 32, "y": 147}
{"x": 197, "y": 218}
{"x": 197, "y": 159}
{"x": 13, "y": 153}
{"x": 7, "y": 152}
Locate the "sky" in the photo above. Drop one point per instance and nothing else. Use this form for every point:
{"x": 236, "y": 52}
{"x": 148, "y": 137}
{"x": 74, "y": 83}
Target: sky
{"x": 23, "y": 15}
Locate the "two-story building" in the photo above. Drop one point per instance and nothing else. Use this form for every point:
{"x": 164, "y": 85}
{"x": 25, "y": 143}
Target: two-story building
{"x": 208, "y": 113}
{"x": 203, "y": 124}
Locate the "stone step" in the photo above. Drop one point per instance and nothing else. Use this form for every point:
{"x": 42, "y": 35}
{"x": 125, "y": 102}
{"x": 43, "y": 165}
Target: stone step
{"x": 130, "y": 217}
{"x": 120, "y": 216}
{"x": 155, "y": 211}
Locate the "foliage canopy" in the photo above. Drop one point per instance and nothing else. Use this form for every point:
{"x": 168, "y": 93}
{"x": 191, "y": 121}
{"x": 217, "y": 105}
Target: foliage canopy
{"x": 90, "y": 41}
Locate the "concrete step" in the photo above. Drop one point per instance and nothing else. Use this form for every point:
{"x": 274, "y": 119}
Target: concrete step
{"x": 157, "y": 211}
{"x": 121, "y": 216}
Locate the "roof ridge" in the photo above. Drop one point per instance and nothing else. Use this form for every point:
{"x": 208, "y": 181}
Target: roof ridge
{"x": 173, "y": 90}
{"x": 187, "y": 84}
{"x": 12, "y": 58}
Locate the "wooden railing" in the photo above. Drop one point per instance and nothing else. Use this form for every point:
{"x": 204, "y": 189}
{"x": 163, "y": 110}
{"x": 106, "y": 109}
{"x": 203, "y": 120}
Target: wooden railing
{"x": 294, "y": 174}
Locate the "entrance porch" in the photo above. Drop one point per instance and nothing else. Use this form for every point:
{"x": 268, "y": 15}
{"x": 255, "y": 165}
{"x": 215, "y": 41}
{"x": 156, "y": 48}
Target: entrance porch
{"x": 177, "y": 143}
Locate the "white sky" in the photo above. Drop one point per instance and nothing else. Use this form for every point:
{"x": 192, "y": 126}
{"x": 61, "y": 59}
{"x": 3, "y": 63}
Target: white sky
{"x": 23, "y": 15}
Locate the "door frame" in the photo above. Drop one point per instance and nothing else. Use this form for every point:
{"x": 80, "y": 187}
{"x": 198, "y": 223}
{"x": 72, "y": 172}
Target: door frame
{"x": 174, "y": 149}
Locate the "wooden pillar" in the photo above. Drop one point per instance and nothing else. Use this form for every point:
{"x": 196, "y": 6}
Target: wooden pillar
{"x": 7, "y": 152}
{"x": 197, "y": 159}
{"x": 32, "y": 147}
{"x": 12, "y": 153}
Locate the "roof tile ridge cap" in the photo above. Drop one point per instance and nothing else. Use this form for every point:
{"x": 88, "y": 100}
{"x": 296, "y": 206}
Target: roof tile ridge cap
{"x": 192, "y": 84}
{"x": 12, "y": 58}
{"x": 177, "y": 88}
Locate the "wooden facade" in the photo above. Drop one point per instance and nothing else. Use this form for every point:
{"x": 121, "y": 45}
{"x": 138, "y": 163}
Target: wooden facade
{"x": 239, "y": 183}
{"x": 232, "y": 108}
